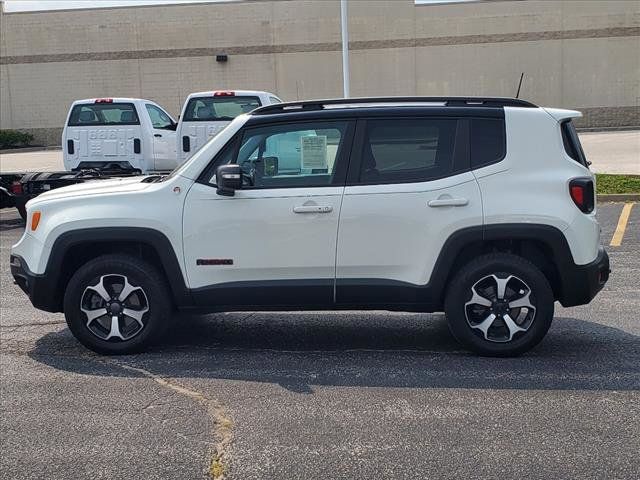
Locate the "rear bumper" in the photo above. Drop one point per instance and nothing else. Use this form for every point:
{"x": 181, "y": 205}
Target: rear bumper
{"x": 39, "y": 288}
{"x": 580, "y": 283}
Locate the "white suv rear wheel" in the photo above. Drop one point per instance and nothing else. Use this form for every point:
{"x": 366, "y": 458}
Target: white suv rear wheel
{"x": 500, "y": 304}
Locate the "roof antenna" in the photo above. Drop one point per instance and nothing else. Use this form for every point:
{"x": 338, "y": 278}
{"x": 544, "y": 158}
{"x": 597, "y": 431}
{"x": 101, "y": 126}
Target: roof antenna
{"x": 519, "y": 85}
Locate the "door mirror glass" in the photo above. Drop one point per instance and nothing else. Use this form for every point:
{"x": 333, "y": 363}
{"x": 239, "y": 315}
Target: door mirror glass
{"x": 228, "y": 179}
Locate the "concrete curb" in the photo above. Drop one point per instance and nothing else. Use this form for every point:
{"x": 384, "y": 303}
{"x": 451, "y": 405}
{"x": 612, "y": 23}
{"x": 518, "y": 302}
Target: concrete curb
{"x": 619, "y": 197}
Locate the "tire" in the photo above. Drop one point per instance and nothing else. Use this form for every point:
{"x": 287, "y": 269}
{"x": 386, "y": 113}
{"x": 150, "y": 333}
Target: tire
{"x": 22, "y": 210}
{"x": 521, "y": 318}
{"x": 143, "y": 311}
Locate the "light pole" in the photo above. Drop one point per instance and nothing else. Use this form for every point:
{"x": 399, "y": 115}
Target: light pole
{"x": 344, "y": 27}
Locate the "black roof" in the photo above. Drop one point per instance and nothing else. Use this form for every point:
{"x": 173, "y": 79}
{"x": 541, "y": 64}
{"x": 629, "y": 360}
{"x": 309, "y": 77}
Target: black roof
{"x": 316, "y": 105}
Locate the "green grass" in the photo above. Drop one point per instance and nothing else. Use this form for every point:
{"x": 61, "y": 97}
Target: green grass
{"x": 607, "y": 183}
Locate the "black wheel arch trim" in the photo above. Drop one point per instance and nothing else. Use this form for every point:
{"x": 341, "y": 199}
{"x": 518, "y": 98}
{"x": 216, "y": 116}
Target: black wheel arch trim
{"x": 49, "y": 280}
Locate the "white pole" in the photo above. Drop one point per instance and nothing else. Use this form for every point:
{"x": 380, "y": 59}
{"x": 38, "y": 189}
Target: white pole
{"x": 344, "y": 24}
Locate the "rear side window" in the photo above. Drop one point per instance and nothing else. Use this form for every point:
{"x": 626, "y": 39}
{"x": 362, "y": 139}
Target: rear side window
{"x": 93, "y": 114}
{"x": 572, "y": 143}
{"x": 407, "y": 150}
{"x": 487, "y": 141}
{"x": 222, "y": 108}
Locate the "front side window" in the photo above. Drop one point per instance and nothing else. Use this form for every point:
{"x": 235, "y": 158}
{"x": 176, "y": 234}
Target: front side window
{"x": 94, "y": 114}
{"x": 407, "y": 150}
{"x": 222, "y": 108}
{"x": 159, "y": 118}
{"x": 289, "y": 155}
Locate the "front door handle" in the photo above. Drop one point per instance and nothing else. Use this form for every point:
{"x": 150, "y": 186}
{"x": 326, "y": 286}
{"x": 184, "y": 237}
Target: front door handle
{"x": 157, "y": 135}
{"x": 448, "y": 202}
{"x": 313, "y": 209}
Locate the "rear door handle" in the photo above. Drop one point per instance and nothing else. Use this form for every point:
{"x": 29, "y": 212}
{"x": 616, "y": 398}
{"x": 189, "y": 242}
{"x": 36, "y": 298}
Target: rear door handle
{"x": 157, "y": 135}
{"x": 448, "y": 202}
{"x": 313, "y": 209}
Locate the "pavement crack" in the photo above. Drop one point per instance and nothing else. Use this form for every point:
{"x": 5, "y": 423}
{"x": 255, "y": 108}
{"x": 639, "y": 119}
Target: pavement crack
{"x": 222, "y": 424}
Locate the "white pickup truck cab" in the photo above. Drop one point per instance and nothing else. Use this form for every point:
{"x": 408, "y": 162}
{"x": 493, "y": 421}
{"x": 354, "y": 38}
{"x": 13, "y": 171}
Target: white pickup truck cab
{"x": 131, "y": 134}
{"x": 205, "y": 114}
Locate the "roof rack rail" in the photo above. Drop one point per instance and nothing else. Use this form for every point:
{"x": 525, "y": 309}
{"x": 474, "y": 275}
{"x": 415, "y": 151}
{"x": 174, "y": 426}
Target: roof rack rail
{"x": 310, "y": 105}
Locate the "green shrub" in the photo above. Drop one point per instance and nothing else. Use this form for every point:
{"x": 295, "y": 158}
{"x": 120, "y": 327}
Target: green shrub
{"x": 14, "y": 138}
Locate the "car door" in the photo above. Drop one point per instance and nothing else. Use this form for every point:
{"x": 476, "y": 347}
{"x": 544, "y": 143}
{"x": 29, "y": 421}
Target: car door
{"x": 274, "y": 241}
{"x": 164, "y": 138}
{"x": 409, "y": 188}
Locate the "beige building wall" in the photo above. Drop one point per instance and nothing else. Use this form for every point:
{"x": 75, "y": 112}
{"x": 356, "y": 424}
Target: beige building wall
{"x": 575, "y": 54}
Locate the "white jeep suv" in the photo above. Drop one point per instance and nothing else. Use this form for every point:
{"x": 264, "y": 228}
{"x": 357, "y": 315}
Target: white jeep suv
{"x": 483, "y": 208}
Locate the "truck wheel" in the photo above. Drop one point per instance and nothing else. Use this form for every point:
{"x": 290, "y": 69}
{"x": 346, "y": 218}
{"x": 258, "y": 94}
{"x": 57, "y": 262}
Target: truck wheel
{"x": 117, "y": 304}
{"x": 22, "y": 210}
{"x": 499, "y": 305}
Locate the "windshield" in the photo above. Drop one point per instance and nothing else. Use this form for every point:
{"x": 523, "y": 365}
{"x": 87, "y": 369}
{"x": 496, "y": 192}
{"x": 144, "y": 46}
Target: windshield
{"x": 203, "y": 109}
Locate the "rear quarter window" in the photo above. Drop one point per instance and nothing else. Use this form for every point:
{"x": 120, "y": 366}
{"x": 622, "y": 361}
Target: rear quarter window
{"x": 488, "y": 143}
{"x": 96, "y": 114}
{"x": 571, "y": 143}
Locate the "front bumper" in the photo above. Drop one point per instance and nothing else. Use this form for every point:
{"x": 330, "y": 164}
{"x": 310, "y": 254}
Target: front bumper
{"x": 580, "y": 283}
{"x": 39, "y": 288}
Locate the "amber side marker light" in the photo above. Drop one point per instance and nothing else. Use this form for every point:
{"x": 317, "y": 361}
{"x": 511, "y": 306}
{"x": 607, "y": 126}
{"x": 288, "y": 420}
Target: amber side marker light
{"x": 35, "y": 220}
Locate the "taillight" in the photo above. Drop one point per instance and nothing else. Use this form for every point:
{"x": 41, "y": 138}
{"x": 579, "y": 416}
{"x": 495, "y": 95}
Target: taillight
{"x": 16, "y": 188}
{"x": 224, "y": 94}
{"x": 104, "y": 100}
{"x": 582, "y": 194}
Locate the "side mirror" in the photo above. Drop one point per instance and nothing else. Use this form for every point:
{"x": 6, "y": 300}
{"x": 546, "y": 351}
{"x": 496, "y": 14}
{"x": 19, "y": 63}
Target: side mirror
{"x": 228, "y": 179}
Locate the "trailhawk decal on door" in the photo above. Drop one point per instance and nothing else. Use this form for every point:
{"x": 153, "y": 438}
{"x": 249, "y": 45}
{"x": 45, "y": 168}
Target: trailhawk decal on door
{"x": 214, "y": 261}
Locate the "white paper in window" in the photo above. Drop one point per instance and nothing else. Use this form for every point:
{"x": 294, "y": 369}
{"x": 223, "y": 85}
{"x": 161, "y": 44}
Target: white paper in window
{"x": 314, "y": 151}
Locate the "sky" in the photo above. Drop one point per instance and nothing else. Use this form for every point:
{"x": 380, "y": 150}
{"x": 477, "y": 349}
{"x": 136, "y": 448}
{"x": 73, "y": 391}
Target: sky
{"x": 32, "y": 5}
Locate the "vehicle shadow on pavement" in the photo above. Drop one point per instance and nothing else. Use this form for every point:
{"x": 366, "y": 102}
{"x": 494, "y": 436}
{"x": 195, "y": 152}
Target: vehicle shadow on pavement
{"x": 300, "y": 350}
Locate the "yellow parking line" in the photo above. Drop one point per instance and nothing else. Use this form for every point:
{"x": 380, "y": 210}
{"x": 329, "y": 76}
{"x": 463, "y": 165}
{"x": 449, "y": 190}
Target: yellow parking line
{"x": 616, "y": 240}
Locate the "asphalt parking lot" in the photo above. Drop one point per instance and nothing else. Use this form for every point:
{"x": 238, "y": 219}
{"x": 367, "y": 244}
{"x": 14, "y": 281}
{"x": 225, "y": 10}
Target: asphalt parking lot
{"x": 326, "y": 395}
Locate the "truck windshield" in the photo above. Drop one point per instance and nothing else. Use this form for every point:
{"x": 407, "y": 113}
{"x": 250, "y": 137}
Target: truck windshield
{"x": 203, "y": 109}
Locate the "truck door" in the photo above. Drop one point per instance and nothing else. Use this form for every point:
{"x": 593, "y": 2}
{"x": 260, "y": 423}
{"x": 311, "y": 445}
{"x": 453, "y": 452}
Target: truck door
{"x": 164, "y": 138}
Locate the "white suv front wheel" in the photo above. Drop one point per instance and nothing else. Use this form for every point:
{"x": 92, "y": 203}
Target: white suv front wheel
{"x": 117, "y": 304}
{"x": 499, "y": 305}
